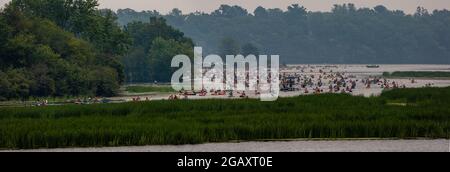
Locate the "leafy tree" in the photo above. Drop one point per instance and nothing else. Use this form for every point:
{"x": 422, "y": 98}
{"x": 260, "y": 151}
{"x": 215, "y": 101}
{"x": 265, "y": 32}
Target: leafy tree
{"x": 230, "y": 11}
{"x": 103, "y": 81}
{"x": 250, "y": 49}
{"x": 82, "y": 18}
{"x": 72, "y": 15}
{"x": 19, "y": 85}
{"x": 229, "y": 46}
{"x": 41, "y": 82}
{"x": 260, "y": 12}
{"x": 5, "y": 87}
{"x": 59, "y": 48}
{"x": 296, "y": 11}
{"x": 161, "y": 54}
{"x": 176, "y": 12}
{"x": 381, "y": 9}
{"x": 145, "y": 62}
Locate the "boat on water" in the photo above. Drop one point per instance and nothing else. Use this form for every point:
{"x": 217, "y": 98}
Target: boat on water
{"x": 373, "y": 66}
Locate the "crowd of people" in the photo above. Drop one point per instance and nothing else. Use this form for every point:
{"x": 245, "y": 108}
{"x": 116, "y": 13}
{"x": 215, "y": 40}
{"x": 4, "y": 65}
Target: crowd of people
{"x": 40, "y": 102}
{"x": 316, "y": 81}
{"x": 308, "y": 80}
{"x": 138, "y": 99}
{"x": 301, "y": 80}
{"x": 319, "y": 82}
{"x": 77, "y": 101}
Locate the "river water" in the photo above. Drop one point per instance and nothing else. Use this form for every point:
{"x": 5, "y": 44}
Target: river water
{"x": 282, "y": 146}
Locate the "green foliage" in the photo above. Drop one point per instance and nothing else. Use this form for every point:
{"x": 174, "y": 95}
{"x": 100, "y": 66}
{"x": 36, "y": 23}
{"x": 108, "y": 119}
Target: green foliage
{"x": 199, "y": 121}
{"x": 161, "y": 54}
{"x": 417, "y": 74}
{"x": 82, "y": 18}
{"x": 72, "y": 15}
{"x": 229, "y": 46}
{"x": 230, "y": 11}
{"x": 249, "y": 48}
{"x": 423, "y": 96}
{"x": 347, "y": 34}
{"x": 103, "y": 81}
{"x": 154, "y": 46}
{"x": 59, "y": 48}
{"x": 14, "y": 83}
{"x": 148, "y": 89}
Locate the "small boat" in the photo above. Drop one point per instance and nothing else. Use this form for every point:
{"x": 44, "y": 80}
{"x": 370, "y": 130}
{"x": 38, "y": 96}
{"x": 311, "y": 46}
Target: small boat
{"x": 373, "y": 66}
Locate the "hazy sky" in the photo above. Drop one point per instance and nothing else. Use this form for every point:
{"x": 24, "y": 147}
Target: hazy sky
{"x": 164, "y": 6}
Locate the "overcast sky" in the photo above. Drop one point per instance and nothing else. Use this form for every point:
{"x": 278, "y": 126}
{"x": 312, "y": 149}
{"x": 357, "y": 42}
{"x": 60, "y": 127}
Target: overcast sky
{"x": 187, "y": 6}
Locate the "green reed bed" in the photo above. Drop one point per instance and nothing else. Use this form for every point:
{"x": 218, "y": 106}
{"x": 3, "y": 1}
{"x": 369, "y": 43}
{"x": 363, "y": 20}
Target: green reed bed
{"x": 418, "y": 74}
{"x": 426, "y": 114}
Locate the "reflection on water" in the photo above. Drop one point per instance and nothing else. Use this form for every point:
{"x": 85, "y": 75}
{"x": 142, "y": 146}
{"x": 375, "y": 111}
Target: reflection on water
{"x": 286, "y": 146}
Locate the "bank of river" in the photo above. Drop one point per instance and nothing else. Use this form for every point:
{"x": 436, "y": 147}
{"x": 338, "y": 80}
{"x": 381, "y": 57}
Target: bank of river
{"x": 282, "y": 146}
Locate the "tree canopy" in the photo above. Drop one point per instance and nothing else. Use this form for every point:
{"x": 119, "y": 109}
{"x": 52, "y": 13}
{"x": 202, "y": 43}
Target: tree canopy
{"x": 347, "y": 34}
{"x": 59, "y": 48}
{"x": 154, "y": 45}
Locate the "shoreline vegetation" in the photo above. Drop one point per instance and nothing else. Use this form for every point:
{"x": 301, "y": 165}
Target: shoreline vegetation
{"x": 417, "y": 74}
{"x": 150, "y": 89}
{"x": 425, "y": 113}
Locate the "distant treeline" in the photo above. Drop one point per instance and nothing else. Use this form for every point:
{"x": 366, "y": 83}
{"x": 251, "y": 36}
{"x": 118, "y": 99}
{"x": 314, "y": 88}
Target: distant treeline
{"x": 347, "y": 34}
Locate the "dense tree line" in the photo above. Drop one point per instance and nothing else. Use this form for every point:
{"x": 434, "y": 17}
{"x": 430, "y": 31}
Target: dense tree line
{"x": 59, "y": 48}
{"x": 72, "y": 48}
{"x": 155, "y": 44}
{"x": 345, "y": 35}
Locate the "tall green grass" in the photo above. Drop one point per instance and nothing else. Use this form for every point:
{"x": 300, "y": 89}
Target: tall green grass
{"x": 198, "y": 121}
{"x": 417, "y": 74}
